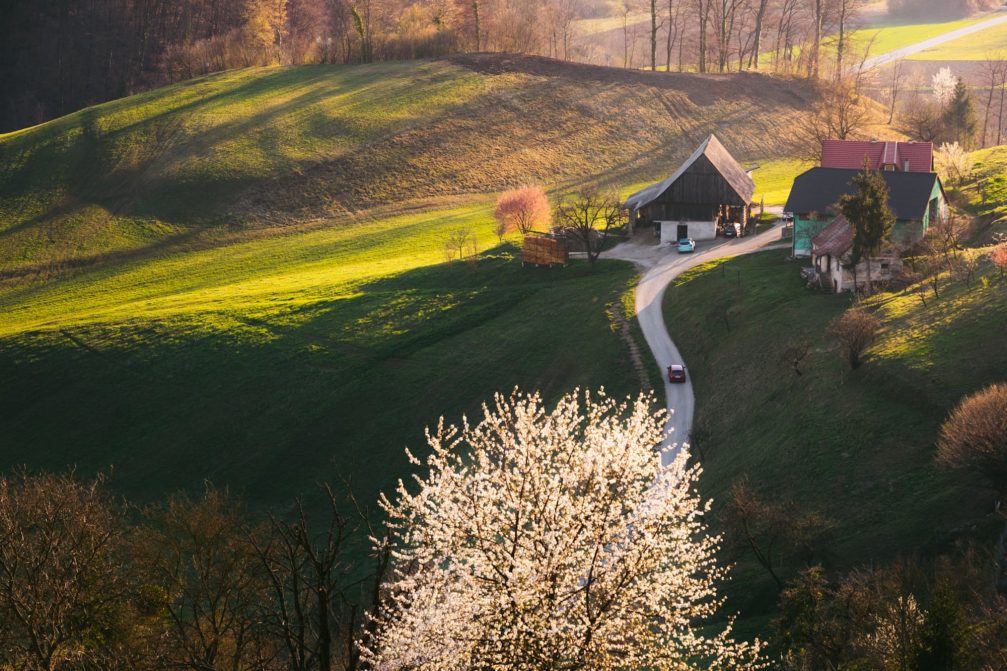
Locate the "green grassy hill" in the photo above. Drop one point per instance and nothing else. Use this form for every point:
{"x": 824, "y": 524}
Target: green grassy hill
{"x": 985, "y": 195}
{"x": 269, "y": 393}
{"x": 267, "y": 148}
{"x": 856, "y": 446}
{"x": 242, "y": 277}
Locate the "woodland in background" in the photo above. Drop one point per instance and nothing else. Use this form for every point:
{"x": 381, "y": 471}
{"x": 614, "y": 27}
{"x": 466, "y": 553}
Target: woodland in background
{"x": 57, "y": 56}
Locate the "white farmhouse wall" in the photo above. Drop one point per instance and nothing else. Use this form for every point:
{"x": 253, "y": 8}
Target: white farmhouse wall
{"x": 698, "y": 230}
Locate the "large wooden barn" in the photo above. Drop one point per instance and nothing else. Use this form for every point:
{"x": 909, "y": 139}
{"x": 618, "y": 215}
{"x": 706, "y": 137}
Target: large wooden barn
{"x": 708, "y": 190}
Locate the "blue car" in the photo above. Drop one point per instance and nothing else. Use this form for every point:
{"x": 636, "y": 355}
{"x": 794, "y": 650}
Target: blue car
{"x": 686, "y": 246}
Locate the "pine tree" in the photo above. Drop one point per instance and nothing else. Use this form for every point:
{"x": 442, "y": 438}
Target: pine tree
{"x": 960, "y": 115}
{"x": 943, "y": 633}
{"x": 867, "y": 211}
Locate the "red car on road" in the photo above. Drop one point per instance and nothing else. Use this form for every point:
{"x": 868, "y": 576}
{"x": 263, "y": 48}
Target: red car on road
{"x": 676, "y": 373}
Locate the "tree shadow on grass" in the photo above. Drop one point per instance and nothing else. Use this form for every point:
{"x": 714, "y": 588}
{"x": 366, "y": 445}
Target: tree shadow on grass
{"x": 268, "y": 404}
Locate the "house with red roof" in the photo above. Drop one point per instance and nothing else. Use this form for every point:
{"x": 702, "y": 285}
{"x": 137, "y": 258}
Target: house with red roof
{"x": 830, "y": 257}
{"x": 889, "y": 156}
{"x": 915, "y": 194}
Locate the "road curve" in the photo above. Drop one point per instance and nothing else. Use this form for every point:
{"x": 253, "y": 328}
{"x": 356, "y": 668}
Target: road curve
{"x": 884, "y": 59}
{"x": 662, "y": 265}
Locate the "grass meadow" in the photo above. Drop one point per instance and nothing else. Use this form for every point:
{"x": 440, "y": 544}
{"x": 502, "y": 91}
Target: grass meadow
{"x": 324, "y": 365}
{"x": 856, "y": 446}
{"x": 976, "y": 47}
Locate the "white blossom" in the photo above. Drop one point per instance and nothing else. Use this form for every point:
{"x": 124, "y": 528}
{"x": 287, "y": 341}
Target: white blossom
{"x": 553, "y": 540}
{"x": 943, "y": 84}
{"x": 953, "y": 163}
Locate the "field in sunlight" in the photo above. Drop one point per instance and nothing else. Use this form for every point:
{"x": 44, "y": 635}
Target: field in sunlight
{"x": 243, "y": 277}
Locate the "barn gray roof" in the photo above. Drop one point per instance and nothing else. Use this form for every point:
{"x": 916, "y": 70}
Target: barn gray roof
{"x": 819, "y": 190}
{"x": 736, "y": 176}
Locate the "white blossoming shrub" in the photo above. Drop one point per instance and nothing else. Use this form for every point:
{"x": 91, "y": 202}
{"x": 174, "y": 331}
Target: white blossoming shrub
{"x": 553, "y": 540}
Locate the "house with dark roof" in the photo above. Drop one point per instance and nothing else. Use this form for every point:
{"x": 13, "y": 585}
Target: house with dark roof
{"x": 710, "y": 188}
{"x": 915, "y": 198}
{"x": 830, "y": 257}
{"x": 886, "y": 156}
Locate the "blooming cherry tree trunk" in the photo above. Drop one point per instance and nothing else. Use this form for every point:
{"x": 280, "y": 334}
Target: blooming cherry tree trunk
{"x": 545, "y": 540}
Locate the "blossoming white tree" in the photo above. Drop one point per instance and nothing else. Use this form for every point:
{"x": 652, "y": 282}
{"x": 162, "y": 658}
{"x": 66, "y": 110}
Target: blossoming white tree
{"x": 553, "y": 540}
{"x": 943, "y": 83}
{"x": 953, "y": 163}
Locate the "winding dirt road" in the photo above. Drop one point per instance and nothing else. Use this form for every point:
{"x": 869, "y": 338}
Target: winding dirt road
{"x": 660, "y": 266}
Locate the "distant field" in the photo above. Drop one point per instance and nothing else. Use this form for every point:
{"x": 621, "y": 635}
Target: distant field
{"x": 774, "y": 178}
{"x": 588, "y": 27}
{"x": 888, "y": 35}
{"x": 881, "y": 35}
{"x": 976, "y": 47}
{"x": 855, "y": 446}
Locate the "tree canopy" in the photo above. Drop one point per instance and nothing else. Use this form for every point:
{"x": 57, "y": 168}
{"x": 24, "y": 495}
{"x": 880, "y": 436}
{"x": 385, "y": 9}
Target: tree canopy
{"x": 546, "y": 539}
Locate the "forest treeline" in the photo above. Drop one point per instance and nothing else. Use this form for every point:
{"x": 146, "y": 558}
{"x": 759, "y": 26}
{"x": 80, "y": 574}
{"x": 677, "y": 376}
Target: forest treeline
{"x": 88, "y": 582}
{"x": 57, "y": 56}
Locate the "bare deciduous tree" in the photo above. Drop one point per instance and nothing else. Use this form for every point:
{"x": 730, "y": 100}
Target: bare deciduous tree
{"x": 839, "y": 112}
{"x": 590, "y": 216}
{"x": 974, "y": 436}
{"x": 796, "y": 354}
{"x": 846, "y": 12}
{"x": 774, "y": 533}
{"x": 966, "y": 266}
{"x": 307, "y": 572}
{"x": 855, "y": 330}
{"x": 66, "y": 599}
{"x": 995, "y": 70}
{"x": 896, "y": 85}
{"x": 460, "y": 244}
{"x": 196, "y": 552}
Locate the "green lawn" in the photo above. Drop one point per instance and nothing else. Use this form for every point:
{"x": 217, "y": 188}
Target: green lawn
{"x": 241, "y": 276}
{"x": 774, "y": 178}
{"x": 855, "y": 446}
{"x": 204, "y": 156}
{"x": 889, "y": 35}
{"x": 272, "y": 364}
{"x": 975, "y": 47}
{"x": 886, "y": 35}
{"x": 986, "y": 194}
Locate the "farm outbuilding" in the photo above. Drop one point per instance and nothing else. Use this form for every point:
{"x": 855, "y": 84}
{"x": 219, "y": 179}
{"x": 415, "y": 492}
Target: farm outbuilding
{"x": 710, "y": 188}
